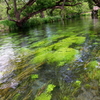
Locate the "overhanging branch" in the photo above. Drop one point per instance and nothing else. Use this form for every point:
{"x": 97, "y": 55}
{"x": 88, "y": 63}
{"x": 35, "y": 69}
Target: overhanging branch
{"x": 39, "y": 11}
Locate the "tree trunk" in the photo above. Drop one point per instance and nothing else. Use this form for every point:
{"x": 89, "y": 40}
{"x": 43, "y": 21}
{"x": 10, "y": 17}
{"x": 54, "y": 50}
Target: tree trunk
{"x": 42, "y": 14}
{"x": 94, "y": 14}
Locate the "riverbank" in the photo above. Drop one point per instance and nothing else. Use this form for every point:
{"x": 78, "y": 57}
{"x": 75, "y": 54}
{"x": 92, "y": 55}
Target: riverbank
{"x": 6, "y": 25}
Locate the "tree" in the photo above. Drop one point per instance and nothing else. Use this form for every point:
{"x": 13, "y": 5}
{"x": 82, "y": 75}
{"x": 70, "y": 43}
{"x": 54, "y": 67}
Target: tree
{"x": 20, "y": 11}
{"x": 97, "y": 2}
{"x": 94, "y": 4}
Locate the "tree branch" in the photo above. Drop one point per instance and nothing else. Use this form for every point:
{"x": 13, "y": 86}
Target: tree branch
{"x": 39, "y": 11}
{"x": 17, "y": 14}
{"x": 58, "y": 5}
{"x": 8, "y": 8}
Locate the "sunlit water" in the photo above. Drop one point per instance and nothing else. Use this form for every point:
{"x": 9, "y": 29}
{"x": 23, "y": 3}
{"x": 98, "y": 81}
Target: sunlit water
{"x": 16, "y": 67}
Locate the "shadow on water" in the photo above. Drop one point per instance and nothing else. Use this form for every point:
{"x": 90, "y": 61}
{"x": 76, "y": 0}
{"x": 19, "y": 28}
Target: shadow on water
{"x": 52, "y": 62}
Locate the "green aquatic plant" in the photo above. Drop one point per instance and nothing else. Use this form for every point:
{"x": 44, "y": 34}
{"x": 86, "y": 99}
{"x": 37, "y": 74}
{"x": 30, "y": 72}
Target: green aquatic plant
{"x": 68, "y": 98}
{"x": 34, "y": 76}
{"x": 62, "y": 56}
{"x": 61, "y": 41}
{"x": 39, "y": 44}
{"x": 95, "y": 74}
{"x": 77, "y": 84}
{"x": 93, "y": 71}
{"x": 58, "y": 53}
{"x": 50, "y": 88}
{"x": 92, "y": 65}
{"x": 87, "y": 86}
{"x": 44, "y": 96}
{"x": 16, "y": 96}
{"x": 68, "y": 42}
{"x": 47, "y": 94}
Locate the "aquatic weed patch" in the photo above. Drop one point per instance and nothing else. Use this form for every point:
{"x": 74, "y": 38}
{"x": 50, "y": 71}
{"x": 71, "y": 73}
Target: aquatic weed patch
{"x": 59, "y": 52}
{"x": 46, "y": 95}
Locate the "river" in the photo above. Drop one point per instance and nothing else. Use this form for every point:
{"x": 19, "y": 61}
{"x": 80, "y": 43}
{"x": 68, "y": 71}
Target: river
{"x": 54, "y": 61}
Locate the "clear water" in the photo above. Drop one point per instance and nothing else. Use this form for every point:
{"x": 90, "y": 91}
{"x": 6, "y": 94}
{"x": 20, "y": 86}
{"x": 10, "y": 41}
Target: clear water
{"x": 73, "y": 80}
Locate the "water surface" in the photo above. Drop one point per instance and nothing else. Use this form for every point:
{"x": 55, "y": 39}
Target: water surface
{"x": 64, "y": 54}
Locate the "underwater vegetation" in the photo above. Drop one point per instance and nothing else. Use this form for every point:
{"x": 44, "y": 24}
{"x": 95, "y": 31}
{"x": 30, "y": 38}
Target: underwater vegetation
{"x": 47, "y": 94}
{"x": 56, "y": 50}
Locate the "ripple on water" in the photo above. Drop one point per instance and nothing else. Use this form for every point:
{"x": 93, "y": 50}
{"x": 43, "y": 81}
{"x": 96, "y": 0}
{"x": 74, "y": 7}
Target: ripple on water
{"x": 6, "y": 67}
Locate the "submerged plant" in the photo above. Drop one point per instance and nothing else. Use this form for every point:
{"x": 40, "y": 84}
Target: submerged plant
{"x": 34, "y": 76}
{"x": 93, "y": 71}
{"x": 92, "y": 65}
{"x": 58, "y": 53}
{"x": 47, "y": 94}
{"x": 77, "y": 84}
{"x": 16, "y": 96}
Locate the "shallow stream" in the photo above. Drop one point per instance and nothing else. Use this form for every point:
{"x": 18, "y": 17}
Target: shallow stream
{"x": 55, "y": 61}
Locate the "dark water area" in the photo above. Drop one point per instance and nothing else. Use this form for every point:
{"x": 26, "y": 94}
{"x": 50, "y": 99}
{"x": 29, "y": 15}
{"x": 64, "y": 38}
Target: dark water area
{"x": 55, "y": 61}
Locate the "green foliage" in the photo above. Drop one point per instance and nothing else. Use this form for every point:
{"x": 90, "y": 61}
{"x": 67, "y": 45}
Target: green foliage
{"x": 38, "y": 21}
{"x": 85, "y": 7}
{"x": 3, "y": 11}
{"x": 34, "y": 76}
{"x": 45, "y": 3}
{"x": 47, "y": 94}
{"x": 29, "y": 8}
{"x": 90, "y": 3}
{"x": 8, "y": 23}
